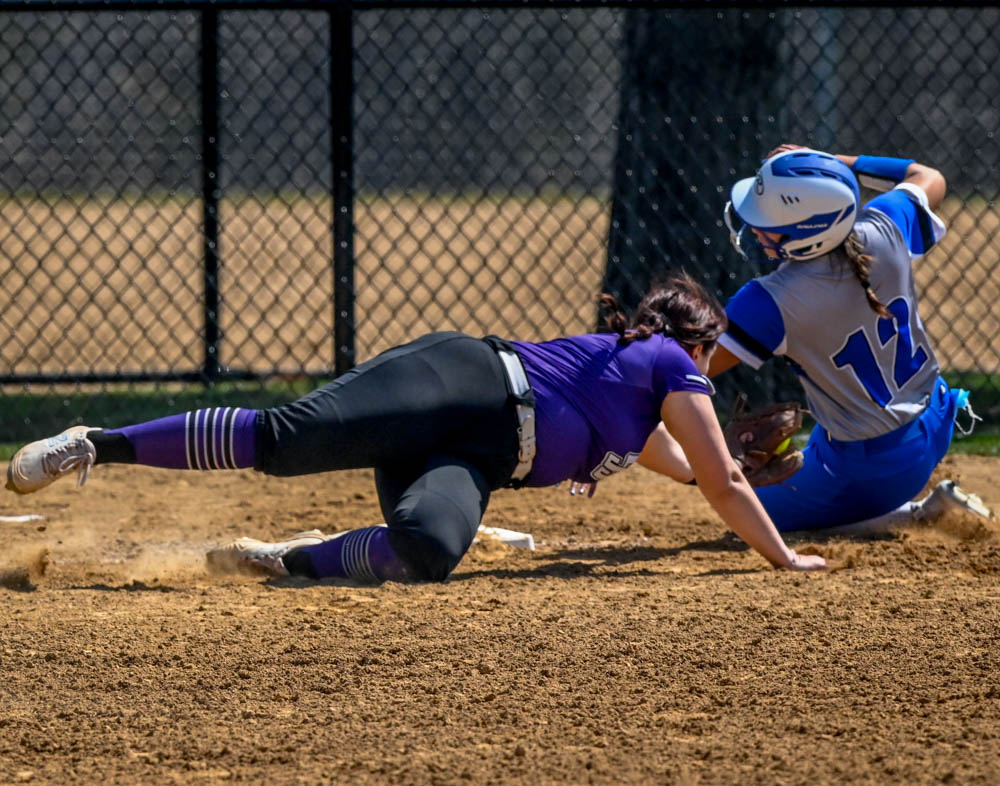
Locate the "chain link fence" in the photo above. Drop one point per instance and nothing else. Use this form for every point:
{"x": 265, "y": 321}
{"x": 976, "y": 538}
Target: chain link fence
{"x": 233, "y": 202}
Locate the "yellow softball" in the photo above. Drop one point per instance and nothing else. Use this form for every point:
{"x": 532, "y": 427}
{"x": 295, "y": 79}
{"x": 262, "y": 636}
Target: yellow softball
{"x": 784, "y": 445}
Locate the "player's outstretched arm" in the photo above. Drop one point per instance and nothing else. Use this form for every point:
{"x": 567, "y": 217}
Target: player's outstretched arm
{"x": 689, "y": 417}
{"x": 662, "y": 453}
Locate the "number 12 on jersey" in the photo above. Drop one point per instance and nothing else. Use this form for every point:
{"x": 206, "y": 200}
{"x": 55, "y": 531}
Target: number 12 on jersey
{"x": 857, "y": 353}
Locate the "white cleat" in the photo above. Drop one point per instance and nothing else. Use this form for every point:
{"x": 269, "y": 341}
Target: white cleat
{"x": 947, "y": 497}
{"x": 39, "y": 463}
{"x": 251, "y": 557}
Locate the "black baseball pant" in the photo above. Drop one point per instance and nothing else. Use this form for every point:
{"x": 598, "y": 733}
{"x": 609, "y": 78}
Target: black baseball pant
{"x": 436, "y": 421}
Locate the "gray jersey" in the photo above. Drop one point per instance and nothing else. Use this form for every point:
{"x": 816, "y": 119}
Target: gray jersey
{"x": 863, "y": 375}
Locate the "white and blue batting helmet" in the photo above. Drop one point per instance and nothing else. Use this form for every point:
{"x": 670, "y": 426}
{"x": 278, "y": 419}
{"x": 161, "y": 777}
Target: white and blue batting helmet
{"x": 809, "y": 198}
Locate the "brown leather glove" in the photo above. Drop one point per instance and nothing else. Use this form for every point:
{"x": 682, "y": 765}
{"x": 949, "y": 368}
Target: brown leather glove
{"x": 754, "y": 437}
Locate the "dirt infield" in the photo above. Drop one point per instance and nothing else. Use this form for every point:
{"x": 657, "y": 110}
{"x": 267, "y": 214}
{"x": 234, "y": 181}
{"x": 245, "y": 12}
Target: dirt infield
{"x": 638, "y": 644}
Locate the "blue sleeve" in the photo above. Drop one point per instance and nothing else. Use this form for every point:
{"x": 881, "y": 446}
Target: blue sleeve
{"x": 882, "y": 168}
{"x": 755, "y": 324}
{"x": 911, "y": 218}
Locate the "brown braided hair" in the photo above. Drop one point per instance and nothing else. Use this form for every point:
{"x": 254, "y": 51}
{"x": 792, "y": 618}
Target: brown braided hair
{"x": 676, "y": 306}
{"x": 861, "y": 261}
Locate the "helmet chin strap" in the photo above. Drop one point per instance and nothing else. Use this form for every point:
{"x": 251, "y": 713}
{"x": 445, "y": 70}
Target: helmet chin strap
{"x": 778, "y": 247}
{"x": 736, "y": 237}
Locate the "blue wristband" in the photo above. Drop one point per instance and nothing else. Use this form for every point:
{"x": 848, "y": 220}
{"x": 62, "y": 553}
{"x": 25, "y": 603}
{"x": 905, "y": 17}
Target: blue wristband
{"x": 882, "y": 168}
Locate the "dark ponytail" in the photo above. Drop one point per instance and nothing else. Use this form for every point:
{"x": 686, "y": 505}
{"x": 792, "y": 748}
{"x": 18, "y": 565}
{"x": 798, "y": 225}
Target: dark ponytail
{"x": 677, "y": 306}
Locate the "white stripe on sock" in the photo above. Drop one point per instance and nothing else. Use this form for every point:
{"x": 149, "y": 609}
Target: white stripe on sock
{"x": 346, "y": 554}
{"x": 205, "y": 436}
{"x": 187, "y": 440}
{"x": 227, "y": 462}
{"x": 364, "y": 554}
{"x": 350, "y": 555}
{"x": 356, "y": 562}
{"x": 232, "y": 437}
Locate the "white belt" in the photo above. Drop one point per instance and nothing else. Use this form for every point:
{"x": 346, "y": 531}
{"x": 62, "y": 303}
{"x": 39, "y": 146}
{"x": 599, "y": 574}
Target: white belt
{"x": 525, "y": 412}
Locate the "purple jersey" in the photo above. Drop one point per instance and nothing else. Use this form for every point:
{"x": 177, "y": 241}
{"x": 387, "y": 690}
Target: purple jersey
{"x": 596, "y": 402}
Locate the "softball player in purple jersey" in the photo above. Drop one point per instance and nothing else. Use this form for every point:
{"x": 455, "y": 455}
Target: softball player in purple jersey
{"x": 446, "y": 420}
{"x": 841, "y": 308}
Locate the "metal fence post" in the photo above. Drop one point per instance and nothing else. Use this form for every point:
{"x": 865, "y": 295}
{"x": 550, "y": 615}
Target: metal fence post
{"x": 210, "y": 185}
{"x": 341, "y": 139}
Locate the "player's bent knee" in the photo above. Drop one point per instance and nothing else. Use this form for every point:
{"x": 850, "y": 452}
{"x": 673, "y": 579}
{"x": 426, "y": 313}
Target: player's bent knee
{"x": 427, "y": 558}
{"x": 432, "y": 529}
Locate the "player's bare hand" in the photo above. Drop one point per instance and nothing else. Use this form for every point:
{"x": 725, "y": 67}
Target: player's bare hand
{"x": 582, "y": 488}
{"x": 784, "y": 149}
{"x": 804, "y": 562}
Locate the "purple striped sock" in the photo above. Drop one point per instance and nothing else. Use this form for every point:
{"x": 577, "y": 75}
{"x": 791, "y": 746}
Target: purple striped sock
{"x": 215, "y": 438}
{"x": 361, "y": 554}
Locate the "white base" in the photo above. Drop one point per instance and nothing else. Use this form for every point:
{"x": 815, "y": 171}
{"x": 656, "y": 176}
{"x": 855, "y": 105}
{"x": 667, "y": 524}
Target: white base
{"x": 519, "y": 540}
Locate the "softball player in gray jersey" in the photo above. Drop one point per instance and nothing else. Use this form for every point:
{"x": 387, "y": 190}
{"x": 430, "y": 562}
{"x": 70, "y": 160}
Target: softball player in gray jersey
{"x": 841, "y": 308}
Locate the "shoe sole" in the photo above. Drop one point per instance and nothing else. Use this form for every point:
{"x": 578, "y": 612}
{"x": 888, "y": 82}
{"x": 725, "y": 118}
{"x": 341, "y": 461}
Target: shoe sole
{"x": 10, "y": 485}
{"x": 959, "y": 499}
{"x": 227, "y": 561}
{"x": 972, "y": 504}
{"x": 10, "y": 480}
